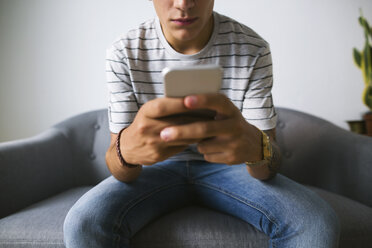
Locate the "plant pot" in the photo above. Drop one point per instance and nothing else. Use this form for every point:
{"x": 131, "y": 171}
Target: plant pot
{"x": 368, "y": 122}
{"x": 358, "y": 126}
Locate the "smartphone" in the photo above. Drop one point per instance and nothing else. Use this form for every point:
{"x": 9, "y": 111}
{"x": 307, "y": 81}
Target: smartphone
{"x": 191, "y": 80}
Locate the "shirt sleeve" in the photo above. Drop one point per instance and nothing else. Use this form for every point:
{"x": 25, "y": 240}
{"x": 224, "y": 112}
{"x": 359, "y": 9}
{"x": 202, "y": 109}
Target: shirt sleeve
{"x": 122, "y": 107}
{"x": 258, "y": 108}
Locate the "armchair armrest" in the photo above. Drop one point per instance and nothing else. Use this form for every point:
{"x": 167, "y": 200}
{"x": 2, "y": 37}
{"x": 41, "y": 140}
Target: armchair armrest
{"x": 318, "y": 153}
{"x": 33, "y": 169}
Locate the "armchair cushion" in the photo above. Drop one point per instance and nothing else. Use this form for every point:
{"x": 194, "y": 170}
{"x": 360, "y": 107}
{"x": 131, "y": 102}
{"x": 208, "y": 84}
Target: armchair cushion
{"x": 40, "y": 225}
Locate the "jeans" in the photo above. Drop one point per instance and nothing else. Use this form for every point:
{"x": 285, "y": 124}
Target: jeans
{"x": 112, "y": 212}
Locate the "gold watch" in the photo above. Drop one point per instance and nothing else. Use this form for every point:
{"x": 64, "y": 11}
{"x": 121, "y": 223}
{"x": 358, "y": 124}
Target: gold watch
{"x": 266, "y": 150}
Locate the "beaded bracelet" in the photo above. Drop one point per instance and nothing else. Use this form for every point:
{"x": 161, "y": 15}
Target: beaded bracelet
{"x": 118, "y": 152}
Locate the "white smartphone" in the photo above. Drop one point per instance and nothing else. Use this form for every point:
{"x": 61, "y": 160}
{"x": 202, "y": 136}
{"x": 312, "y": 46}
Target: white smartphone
{"x": 190, "y": 80}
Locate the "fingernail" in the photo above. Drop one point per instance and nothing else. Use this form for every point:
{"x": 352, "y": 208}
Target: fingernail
{"x": 166, "y": 134}
{"x": 192, "y": 101}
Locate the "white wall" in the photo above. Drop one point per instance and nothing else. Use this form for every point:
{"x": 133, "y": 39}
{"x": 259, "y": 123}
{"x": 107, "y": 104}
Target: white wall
{"x": 52, "y": 55}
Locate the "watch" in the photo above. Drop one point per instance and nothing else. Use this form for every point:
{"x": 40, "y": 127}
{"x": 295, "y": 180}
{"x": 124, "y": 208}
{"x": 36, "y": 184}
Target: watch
{"x": 266, "y": 152}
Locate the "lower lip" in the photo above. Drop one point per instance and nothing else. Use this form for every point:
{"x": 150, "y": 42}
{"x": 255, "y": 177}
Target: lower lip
{"x": 184, "y": 23}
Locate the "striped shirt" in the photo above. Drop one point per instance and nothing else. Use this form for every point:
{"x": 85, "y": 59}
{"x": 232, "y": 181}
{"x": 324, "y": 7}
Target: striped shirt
{"x": 135, "y": 61}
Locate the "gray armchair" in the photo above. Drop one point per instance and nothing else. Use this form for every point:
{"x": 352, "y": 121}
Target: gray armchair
{"x": 43, "y": 176}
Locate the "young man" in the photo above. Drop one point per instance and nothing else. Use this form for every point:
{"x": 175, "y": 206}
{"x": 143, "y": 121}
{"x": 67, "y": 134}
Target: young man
{"x": 160, "y": 162}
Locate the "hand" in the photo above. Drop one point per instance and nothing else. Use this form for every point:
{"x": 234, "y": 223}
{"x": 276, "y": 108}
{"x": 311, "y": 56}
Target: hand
{"x": 228, "y": 139}
{"x": 141, "y": 142}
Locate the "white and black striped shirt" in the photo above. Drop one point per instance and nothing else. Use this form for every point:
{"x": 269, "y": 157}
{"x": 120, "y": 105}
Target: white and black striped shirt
{"x": 135, "y": 61}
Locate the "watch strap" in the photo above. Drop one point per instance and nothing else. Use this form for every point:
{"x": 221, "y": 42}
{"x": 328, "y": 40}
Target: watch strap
{"x": 266, "y": 151}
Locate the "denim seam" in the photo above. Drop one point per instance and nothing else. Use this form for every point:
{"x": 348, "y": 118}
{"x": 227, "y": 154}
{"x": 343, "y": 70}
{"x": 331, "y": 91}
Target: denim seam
{"x": 132, "y": 204}
{"x": 246, "y": 202}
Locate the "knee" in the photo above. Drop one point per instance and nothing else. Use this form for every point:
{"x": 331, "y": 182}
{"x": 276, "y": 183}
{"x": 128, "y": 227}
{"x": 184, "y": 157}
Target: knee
{"x": 92, "y": 223}
{"x": 322, "y": 225}
{"x": 84, "y": 226}
{"x": 311, "y": 221}
{"x": 325, "y": 220}
{"x": 76, "y": 228}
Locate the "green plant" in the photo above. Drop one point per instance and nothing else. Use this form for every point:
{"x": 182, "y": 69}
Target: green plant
{"x": 363, "y": 59}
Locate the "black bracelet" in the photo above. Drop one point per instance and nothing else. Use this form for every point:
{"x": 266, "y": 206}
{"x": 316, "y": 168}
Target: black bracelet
{"x": 118, "y": 152}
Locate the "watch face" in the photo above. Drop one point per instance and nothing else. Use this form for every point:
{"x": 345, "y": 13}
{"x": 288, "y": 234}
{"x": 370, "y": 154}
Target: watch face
{"x": 266, "y": 147}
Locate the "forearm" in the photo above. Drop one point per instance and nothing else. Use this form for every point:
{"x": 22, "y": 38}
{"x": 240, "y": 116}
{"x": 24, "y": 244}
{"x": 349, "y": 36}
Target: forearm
{"x": 119, "y": 171}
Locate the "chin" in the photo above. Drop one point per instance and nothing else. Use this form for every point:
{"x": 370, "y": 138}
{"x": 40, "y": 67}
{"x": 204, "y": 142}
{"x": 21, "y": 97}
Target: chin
{"x": 185, "y": 36}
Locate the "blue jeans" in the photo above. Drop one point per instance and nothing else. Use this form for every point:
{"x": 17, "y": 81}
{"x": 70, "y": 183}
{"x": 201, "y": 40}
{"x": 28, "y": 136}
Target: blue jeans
{"x": 112, "y": 212}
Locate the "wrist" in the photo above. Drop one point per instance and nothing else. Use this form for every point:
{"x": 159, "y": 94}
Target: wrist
{"x": 265, "y": 154}
{"x": 119, "y": 154}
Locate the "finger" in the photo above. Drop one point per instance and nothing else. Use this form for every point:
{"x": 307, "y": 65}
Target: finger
{"x": 181, "y": 119}
{"x": 170, "y": 151}
{"x": 165, "y": 106}
{"x": 219, "y": 158}
{"x": 213, "y": 145}
{"x": 198, "y": 130}
{"x": 217, "y": 102}
{"x": 182, "y": 142}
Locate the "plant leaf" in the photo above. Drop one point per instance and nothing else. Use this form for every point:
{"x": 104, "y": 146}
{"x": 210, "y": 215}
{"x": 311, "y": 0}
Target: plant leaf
{"x": 357, "y": 57}
{"x": 366, "y": 25}
{"x": 367, "y": 96}
{"x": 366, "y": 63}
{"x": 361, "y": 21}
